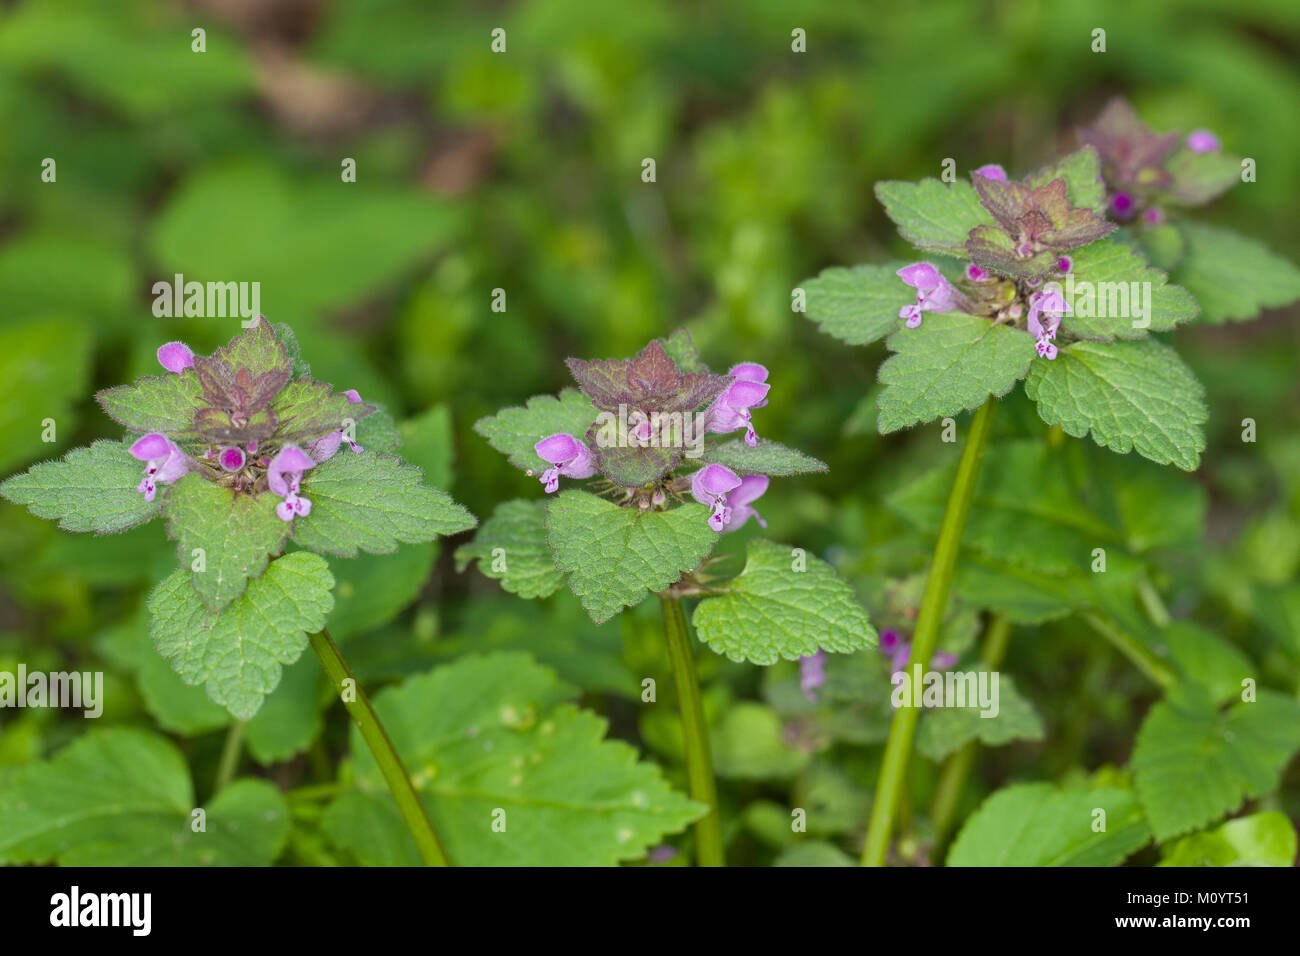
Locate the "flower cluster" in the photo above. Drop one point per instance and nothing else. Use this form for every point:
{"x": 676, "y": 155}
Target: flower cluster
{"x": 1145, "y": 171}
{"x": 237, "y": 438}
{"x": 653, "y": 418}
{"x": 1015, "y": 268}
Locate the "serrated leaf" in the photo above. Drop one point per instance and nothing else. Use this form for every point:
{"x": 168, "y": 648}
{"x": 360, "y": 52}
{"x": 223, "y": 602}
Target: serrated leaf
{"x": 1233, "y": 277}
{"x": 1109, "y": 287}
{"x": 514, "y": 431}
{"x": 156, "y": 404}
{"x": 237, "y": 654}
{"x": 771, "y": 611}
{"x": 1261, "y": 839}
{"x": 525, "y": 566}
{"x": 945, "y": 730}
{"x": 257, "y": 350}
{"x": 378, "y": 432}
{"x": 1081, "y": 171}
{"x": 994, "y": 251}
{"x": 933, "y": 215}
{"x": 953, "y": 362}
{"x": 372, "y": 503}
{"x": 1130, "y": 395}
{"x": 765, "y": 458}
{"x": 290, "y": 717}
{"x": 1196, "y": 178}
{"x": 238, "y": 533}
{"x": 1035, "y": 824}
{"x": 90, "y": 489}
{"x": 681, "y": 349}
{"x": 1195, "y": 763}
{"x": 492, "y": 732}
{"x": 857, "y": 305}
{"x": 648, "y": 382}
{"x": 616, "y": 556}
{"x": 306, "y": 409}
{"x": 120, "y": 797}
{"x": 1214, "y": 664}
{"x": 631, "y": 465}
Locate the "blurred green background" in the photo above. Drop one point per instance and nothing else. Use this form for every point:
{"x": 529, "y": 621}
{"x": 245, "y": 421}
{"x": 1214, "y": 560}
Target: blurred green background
{"x": 522, "y": 171}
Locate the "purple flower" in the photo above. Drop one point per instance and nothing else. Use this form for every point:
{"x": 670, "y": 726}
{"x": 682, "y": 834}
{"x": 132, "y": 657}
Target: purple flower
{"x": 933, "y": 293}
{"x": 899, "y": 653}
{"x": 1064, "y": 264}
{"x": 1045, "y": 311}
{"x": 812, "y": 675}
{"x": 231, "y": 458}
{"x": 992, "y": 171}
{"x": 1121, "y": 204}
{"x": 663, "y": 853}
{"x": 284, "y": 477}
{"x": 751, "y": 488}
{"x": 1153, "y": 216}
{"x": 748, "y": 390}
{"x": 710, "y": 486}
{"x": 176, "y": 357}
{"x": 567, "y": 456}
{"x": 163, "y": 462}
{"x": 1202, "y": 141}
{"x": 323, "y": 448}
{"x": 975, "y": 273}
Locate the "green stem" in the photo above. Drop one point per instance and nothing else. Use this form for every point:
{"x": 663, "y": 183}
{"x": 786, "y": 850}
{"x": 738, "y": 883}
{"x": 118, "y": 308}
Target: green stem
{"x": 934, "y": 603}
{"x": 695, "y": 734}
{"x": 230, "y": 751}
{"x": 952, "y": 780}
{"x": 376, "y": 738}
{"x": 1146, "y": 662}
{"x": 1152, "y": 602}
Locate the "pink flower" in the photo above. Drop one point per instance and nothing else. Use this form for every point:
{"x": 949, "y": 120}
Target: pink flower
{"x": 710, "y": 486}
{"x": 567, "y": 456}
{"x": 933, "y": 293}
{"x": 812, "y": 675}
{"x": 1045, "y": 311}
{"x": 992, "y": 171}
{"x": 323, "y": 448}
{"x": 231, "y": 458}
{"x": 748, "y": 390}
{"x": 176, "y": 357}
{"x": 1202, "y": 141}
{"x": 164, "y": 462}
{"x": 284, "y": 478}
{"x": 751, "y": 488}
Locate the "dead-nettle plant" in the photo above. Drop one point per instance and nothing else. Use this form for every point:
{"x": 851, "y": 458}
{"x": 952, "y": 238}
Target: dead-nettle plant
{"x": 1028, "y": 280}
{"x": 655, "y": 438}
{"x": 1152, "y": 180}
{"x": 243, "y": 453}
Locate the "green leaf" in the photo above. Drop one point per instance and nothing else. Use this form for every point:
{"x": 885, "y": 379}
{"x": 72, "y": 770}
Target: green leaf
{"x": 1034, "y": 824}
{"x": 615, "y": 556}
{"x": 371, "y": 589}
{"x": 858, "y": 305}
{"x": 1108, "y": 290}
{"x": 1214, "y": 664}
{"x": 428, "y": 443}
{"x": 1081, "y": 171}
{"x": 524, "y": 566}
{"x": 953, "y": 362}
{"x": 1131, "y": 395}
{"x": 1261, "y": 839}
{"x": 290, "y": 717}
{"x": 765, "y": 458}
{"x": 238, "y": 533}
{"x": 237, "y": 654}
{"x": 372, "y": 503}
{"x": 1162, "y": 245}
{"x": 932, "y": 215}
{"x": 91, "y": 489}
{"x": 995, "y": 251}
{"x": 814, "y": 853}
{"x": 1194, "y": 763}
{"x": 1200, "y": 177}
{"x": 680, "y": 347}
{"x": 1233, "y": 277}
{"x": 773, "y": 611}
{"x": 514, "y": 431}
{"x": 491, "y": 733}
{"x": 947, "y": 729}
{"x": 156, "y": 404}
{"x": 307, "y": 409}
{"x": 121, "y": 797}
